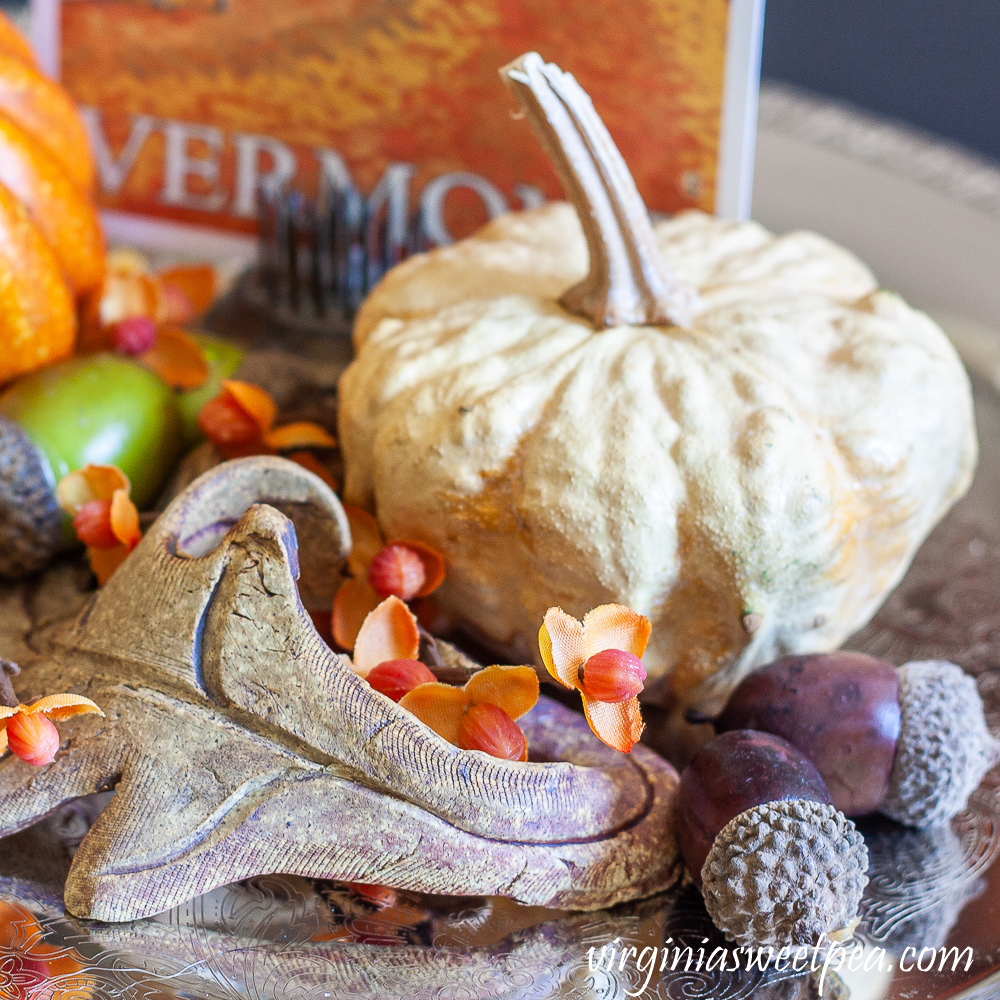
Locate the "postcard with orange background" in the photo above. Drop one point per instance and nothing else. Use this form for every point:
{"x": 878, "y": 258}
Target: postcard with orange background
{"x": 193, "y": 105}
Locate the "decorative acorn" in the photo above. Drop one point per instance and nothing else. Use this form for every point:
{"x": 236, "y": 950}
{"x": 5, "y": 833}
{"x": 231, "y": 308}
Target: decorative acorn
{"x": 776, "y": 861}
{"x": 101, "y": 409}
{"x": 910, "y": 742}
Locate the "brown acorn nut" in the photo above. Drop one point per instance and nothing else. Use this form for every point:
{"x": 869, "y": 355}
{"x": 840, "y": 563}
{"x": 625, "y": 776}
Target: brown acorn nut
{"x": 777, "y": 863}
{"x": 911, "y": 743}
{"x": 840, "y": 709}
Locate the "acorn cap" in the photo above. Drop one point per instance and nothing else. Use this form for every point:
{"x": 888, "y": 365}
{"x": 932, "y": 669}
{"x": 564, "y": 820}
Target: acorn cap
{"x": 783, "y": 873}
{"x": 944, "y": 747}
{"x": 30, "y": 518}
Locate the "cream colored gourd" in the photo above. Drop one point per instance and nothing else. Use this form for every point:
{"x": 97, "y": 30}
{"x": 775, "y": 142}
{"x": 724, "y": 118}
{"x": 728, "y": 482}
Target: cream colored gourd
{"x": 736, "y": 434}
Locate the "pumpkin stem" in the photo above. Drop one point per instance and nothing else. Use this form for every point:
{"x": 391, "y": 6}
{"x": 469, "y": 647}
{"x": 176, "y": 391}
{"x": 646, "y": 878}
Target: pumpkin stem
{"x": 628, "y": 282}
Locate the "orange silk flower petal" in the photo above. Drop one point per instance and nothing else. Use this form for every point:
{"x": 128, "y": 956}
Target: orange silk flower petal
{"x": 433, "y": 565}
{"x": 366, "y": 540}
{"x": 619, "y": 725}
{"x": 128, "y": 290}
{"x": 561, "y": 642}
{"x": 309, "y": 461}
{"x": 73, "y": 491}
{"x": 197, "y": 282}
{"x": 514, "y": 689}
{"x": 103, "y": 562}
{"x": 388, "y": 633}
{"x": 125, "y": 520}
{"x": 177, "y": 358}
{"x": 439, "y": 706}
{"x": 61, "y": 706}
{"x": 126, "y": 261}
{"x": 174, "y": 306}
{"x": 613, "y": 626}
{"x": 301, "y": 434}
{"x": 354, "y": 602}
{"x": 92, "y": 482}
{"x": 566, "y": 644}
{"x": 254, "y": 401}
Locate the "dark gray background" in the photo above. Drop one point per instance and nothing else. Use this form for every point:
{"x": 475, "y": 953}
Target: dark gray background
{"x": 933, "y": 64}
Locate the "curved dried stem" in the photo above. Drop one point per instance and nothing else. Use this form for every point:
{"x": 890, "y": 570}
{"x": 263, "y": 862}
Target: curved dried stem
{"x": 628, "y": 282}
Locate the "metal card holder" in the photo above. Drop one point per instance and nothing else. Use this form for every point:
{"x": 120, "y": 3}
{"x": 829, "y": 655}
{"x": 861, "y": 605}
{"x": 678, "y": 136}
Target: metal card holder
{"x": 319, "y": 257}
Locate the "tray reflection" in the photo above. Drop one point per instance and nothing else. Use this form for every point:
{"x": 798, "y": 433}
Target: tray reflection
{"x": 286, "y": 937}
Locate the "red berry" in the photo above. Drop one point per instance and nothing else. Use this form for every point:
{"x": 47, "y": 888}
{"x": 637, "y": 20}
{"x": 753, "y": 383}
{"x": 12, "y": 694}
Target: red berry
{"x": 613, "y": 675}
{"x": 223, "y": 421}
{"x": 33, "y": 738}
{"x": 490, "y": 729}
{"x": 396, "y": 571}
{"x": 93, "y": 525}
{"x": 394, "y": 678}
{"x": 133, "y": 335}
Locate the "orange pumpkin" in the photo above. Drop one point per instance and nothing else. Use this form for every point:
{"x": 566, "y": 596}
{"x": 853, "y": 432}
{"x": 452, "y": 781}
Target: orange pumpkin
{"x": 37, "y": 318}
{"x": 51, "y": 244}
{"x": 14, "y": 43}
{"x": 42, "y": 108}
{"x": 61, "y": 210}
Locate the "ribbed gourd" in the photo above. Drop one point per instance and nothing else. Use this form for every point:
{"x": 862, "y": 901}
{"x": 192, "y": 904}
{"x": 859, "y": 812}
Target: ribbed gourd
{"x": 51, "y": 243}
{"x": 736, "y": 434}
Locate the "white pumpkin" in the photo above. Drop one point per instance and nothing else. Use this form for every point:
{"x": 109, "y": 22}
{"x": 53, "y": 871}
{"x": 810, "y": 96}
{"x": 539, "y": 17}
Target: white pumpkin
{"x": 754, "y": 477}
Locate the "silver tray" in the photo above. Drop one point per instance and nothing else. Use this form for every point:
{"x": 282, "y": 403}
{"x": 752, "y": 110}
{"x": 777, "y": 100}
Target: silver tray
{"x": 287, "y": 937}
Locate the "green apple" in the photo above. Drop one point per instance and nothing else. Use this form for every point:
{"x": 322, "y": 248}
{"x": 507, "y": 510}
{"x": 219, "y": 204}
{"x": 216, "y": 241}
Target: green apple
{"x": 98, "y": 409}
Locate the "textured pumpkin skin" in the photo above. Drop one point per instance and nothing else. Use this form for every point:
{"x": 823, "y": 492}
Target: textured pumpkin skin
{"x": 782, "y": 458}
{"x": 51, "y": 245}
{"x": 42, "y": 108}
{"x": 37, "y": 317}
{"x": 62, "y": 211}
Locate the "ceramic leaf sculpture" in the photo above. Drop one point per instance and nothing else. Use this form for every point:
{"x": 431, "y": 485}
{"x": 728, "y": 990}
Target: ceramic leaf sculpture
{"x": 238, "y": 743}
